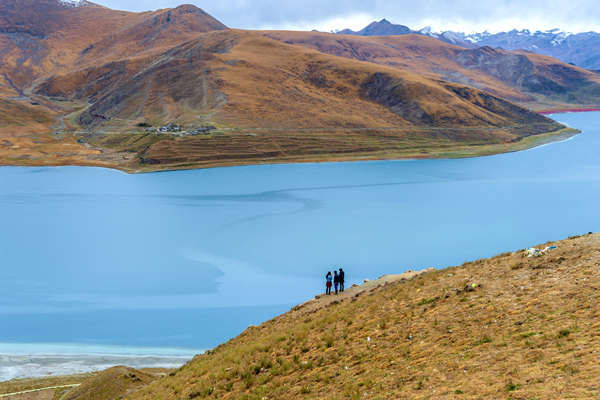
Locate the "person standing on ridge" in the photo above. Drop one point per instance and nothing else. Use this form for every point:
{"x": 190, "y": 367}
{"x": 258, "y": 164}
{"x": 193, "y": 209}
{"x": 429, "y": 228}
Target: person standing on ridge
{"x": 336, "y": 280}
{"x": 328, "y": 283}
{"x": 341, "y": 279}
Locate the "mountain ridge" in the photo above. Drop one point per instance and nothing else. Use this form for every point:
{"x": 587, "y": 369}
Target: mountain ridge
{"x": 580, "y": 49}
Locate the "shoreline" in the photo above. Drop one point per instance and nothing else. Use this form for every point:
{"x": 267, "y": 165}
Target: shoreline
{"x": 45, "y": 366}
{"x": 43, "y": 360}
{"x": 39, "y": 349}
{"x": 567, "y": 110}
{"x": 466, "y": 151}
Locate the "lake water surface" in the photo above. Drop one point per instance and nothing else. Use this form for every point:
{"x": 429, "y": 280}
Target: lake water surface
{"x": 96, "y": 263}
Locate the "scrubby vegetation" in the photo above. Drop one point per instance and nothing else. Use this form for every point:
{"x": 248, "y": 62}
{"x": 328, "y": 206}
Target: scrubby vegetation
{"x": 525, "y": 333}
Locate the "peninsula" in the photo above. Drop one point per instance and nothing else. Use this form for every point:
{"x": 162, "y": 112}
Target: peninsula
{"x": 82, "y": 84}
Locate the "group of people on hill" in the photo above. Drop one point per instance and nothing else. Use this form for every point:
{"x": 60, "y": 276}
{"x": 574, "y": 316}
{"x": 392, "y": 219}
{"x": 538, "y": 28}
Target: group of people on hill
{"x": 338, "y": 281}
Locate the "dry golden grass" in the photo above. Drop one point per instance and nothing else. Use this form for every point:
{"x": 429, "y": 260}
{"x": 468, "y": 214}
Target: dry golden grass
{"x": 430, "y": 57}
{"x": 416, "y": 53}
{"x": 530, "y": 330}
{"x": 112, "y": 383}
{"x": 65, "y": 38}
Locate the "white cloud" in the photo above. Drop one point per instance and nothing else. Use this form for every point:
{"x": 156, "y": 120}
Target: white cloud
{"x": 326, "y": 15}
{"x": 354, "y": 21}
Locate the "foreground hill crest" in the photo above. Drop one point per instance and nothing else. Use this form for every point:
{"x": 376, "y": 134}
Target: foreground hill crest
{"x": 510, "y": 326}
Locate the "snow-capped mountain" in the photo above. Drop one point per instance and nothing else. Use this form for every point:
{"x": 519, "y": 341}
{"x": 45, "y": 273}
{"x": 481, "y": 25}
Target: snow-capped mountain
{"x": 581, "y": 49}
{"x": 73, "y": 3}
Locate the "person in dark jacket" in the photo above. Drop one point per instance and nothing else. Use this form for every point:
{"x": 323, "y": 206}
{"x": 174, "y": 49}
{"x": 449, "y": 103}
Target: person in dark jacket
{"x": 341, "y": 279}
{"x": 328, "y": 283}
{"x": 336, "y": 281}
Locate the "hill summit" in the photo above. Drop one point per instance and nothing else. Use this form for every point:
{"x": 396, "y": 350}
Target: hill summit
{"x": 379, "y": 28}
{"x": 511, "y": 326}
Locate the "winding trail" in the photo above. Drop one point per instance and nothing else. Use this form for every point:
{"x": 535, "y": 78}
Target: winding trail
{"x": 39, "y": 390}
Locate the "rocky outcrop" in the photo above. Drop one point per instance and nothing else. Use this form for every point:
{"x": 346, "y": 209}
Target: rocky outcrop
{"x": 393, "y": 93}
{"x": 505, "y": 66}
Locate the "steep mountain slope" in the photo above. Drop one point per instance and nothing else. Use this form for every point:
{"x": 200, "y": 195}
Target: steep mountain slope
{"x": 236, "y": 75}
{"x": 532, "y": 80}
{"x": 157, "y": 32}
{"x": 505, "y": 327}
{"x": 41, "y": 37}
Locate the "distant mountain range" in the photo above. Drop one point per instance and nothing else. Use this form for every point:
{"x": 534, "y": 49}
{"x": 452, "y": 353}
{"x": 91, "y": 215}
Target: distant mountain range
{"x": 581, "y": 49}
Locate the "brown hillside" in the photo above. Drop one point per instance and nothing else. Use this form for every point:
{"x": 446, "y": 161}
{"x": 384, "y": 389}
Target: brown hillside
{"x": 524, "y": 77}
{"x": 155, "y": 32}
{"x": 42, "y": 37}
{"x": 242, "y": 79}
{"x": 528, "y": 329}
{"x": 274, "y": 101}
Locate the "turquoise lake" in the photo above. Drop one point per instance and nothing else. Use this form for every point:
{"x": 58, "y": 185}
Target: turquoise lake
{"x": 99, "y": 262}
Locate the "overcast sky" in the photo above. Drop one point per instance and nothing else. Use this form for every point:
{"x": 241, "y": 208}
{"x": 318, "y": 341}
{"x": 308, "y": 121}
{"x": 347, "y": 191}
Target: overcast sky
{"x": 326, "y": 15}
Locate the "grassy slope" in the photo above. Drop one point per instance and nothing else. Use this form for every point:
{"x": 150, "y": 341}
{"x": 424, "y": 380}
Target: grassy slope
{"x": 110, "y": 384}
{"x": 531, "y": 330}
{"x": 241, "y": 79}
{"x": 536, "y": 81}
{"x": 415, "y": 53}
